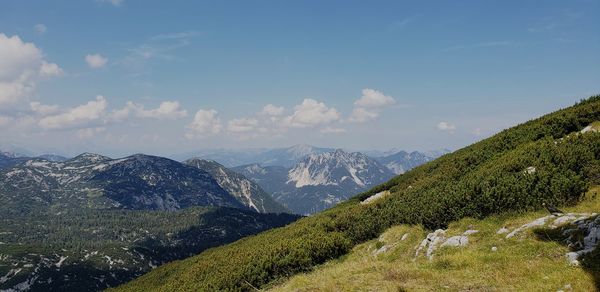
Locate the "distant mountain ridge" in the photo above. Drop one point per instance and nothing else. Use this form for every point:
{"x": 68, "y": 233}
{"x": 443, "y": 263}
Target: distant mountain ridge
{"x": 245, "y": 190}
{"x": 8, "y": 158}
{"x": 139, "y": 182}
{"x": 286, "y": 157}
{"x": 398, "y": 161}
{"x": 402, "y": 161}
{"x": 318, "y": 181}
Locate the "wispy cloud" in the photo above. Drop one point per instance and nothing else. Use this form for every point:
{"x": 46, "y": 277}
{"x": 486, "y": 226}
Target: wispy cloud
{"x": 489, "y": 44}
{"x": 40, "y": 28}
{"x": 175, "y": 35}
{"x": 160, "y": 46}
{"x": 550, "y": 23}
{"x": 446, "y": 127}
{"x": 401, "y": 23}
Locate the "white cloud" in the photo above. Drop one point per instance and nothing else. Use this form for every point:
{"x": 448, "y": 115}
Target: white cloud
{"x": 95, "y": 61}
{"x": 13, "y": 92}
{"x": 166, "y": 110}
{"x": 243, "y": 125}
{"x": 43, "y": 109}
{"x": 331, "y": 130}
{"x": 373, "y": 98}
{"x": 21, "y": 65}
{"x": 367, "y": 107}
{"x": 311, "y": 113}
{"x": 40, "y": 28}
{"x": 79, "y": 116}
{"x": 361, "y": 115}
{"x": 445, "y": 126}
{"x": 50, "y": 70}
{"x": 205, "y": 123}
{"x": 272, "y": 110}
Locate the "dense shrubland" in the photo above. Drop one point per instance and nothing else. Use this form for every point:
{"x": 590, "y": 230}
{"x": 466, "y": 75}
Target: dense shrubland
{"x": 543, "y": 160}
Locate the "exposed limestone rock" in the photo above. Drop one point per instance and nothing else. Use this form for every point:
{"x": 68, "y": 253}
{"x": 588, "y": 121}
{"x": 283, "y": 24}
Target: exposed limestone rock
{"x": 431, "y": 242}
{"x": 543, "y": 221}
{"x": 502, "y": 230}
{"x": 438, "y": 239}
{"x": 535, "y": 223}
{"x": 456, "y": 241}
{"x": 470, "y": 231}
{"x": 375, "y": 197}
{"x": 589, "y": 228}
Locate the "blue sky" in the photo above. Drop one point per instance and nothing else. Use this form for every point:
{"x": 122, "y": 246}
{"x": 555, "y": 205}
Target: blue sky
{"x": 165, "y": 77}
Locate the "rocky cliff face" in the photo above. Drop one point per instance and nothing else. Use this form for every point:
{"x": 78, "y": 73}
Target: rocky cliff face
{"x": 246, "y": 191}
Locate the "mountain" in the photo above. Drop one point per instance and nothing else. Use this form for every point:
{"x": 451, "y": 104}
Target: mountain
{"x": 318, "y": 181}
{"x": 268, "y": 157}
{"x": 271, "y": 178}
{"x": 245, "y": 190}
{"x": 92, "y": 222}
{"x": 53, "y": 157}
{"x": 138, "y": 182}
{"x": 402, "y": 161}
{"x": 8, "y": 159}
{"x": 289, "y": 156}
{"x": 552, "y": 159}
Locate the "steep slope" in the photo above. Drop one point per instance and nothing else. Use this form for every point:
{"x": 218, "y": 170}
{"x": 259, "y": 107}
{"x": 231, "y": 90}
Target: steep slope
{"x": 497, "y": 254}
{"x": 543, "y": 160}
{"x": 402, "y": 161}
{"x": 245, "y": 190}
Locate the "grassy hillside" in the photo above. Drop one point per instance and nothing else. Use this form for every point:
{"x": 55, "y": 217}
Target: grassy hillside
{"x": 543, "y": 160}
{"x": 489, "y": 262}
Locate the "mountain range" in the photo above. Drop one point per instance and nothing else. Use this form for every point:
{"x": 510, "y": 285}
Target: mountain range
{"x": 286, "y": 157}
{"x": 91, "y": 222}
{"x": 318, "y": 181}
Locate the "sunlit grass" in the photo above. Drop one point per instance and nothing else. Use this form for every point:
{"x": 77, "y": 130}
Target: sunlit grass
{"x": 522, "y": 263}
